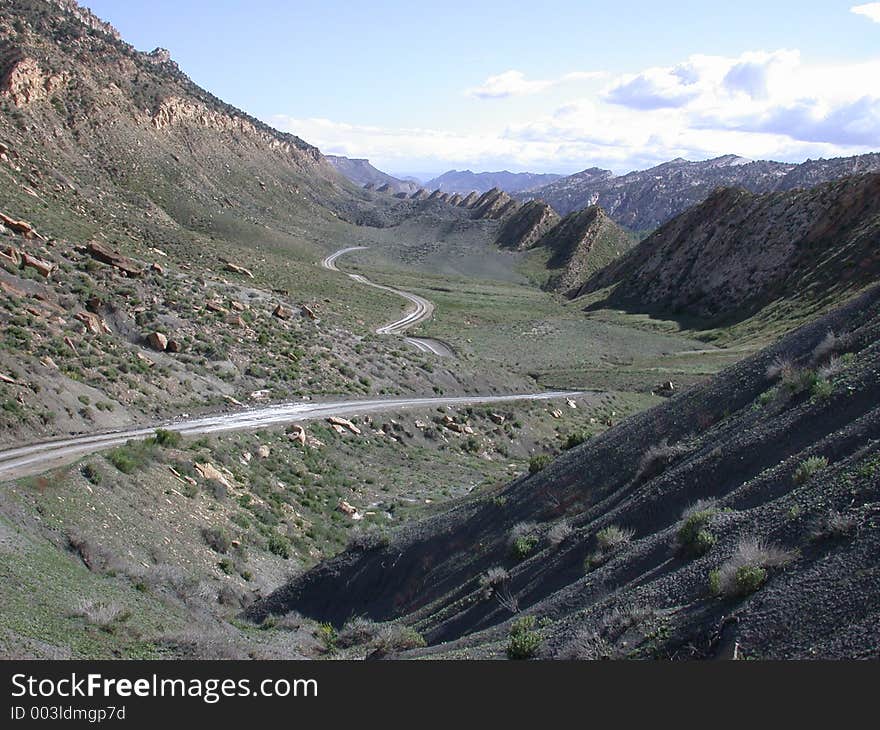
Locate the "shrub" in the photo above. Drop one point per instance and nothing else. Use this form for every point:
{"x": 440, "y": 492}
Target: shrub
{"x": 559, "y": 533}
{"x": 575, "y": 439}
{"x": 746, "y": 570}
{"x": 693, "y": 537}
{"x": 826, "y": 347}
{"x": 808, "y": 467}
{"x": 835, "y": 526}
{"x": 799, "y": 380}
{"x": 217, "y": 539}
{"x": 778, "y": 368}
{"x": 326, "y": 634}
{"x": 131, "y": 456}
{"x": 612, "y": 537}
{"x": 822, "y": 389}
{"x": 524, "y": 641}
{"x": 357, "y": 632}
{"x": 106, "y": 616}
{"x": 167, "y": 439}
{"x": 539, "y": 462}
{"x": 657, "y": 459}
{"x": 92, "y": 473}
{"x": 395, "y": 638}
{"x": 523, "y": 539}
{"x": 279, "y": 545}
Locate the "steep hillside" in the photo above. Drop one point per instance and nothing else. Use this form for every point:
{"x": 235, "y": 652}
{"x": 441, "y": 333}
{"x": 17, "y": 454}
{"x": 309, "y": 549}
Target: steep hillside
{"x": 725, "y": 259}
{"x": 815, "y": 172}
{"x": 362, "y": 173}
{"x": 465, "y": 181}
{"x": 524, "y": 228}
{"x": 580, "y": 245}
{"x": 494, "y": 205}
{"x": 737, "y": 520}
{"x": 159, "y": 248}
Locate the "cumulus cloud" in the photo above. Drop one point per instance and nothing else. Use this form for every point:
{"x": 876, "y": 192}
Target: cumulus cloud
{"x": 515, "y": 83}
{"x": 869, "y": 10}
{"x": 760, "y": 104}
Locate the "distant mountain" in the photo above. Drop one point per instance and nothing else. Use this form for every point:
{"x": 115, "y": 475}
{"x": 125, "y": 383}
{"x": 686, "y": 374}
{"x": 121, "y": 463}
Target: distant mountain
{"x": 465, "y": 181}
{"x": 362, "y": 173}
{"x": 729, "y": 257}
{"x": 643, "y": 200}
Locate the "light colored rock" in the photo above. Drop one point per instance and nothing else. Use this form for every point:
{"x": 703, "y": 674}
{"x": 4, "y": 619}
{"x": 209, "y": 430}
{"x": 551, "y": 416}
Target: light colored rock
{"x": 282, "y": 312}
{"x": 263, "y": 451}
{"x": 43, "y": 268}
{"x": 347, "y": 509}
{"x": 556, "y": 414}
{"x": 157, "y": 341}
{"x": 344, "y": 423}
{"x": 212, "y": 474}
{"x": 94, "y": 323}
{"x": 236, "y": 269}
{"x": 570, "y": 403}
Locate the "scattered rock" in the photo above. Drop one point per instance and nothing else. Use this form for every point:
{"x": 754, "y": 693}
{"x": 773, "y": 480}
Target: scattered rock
{"x": 556, "y": 414}
{"x": 282, "y": 312}
{"x": 237, "y": 306}
{"x": 212, "y": 474}
{"x": 157, "y": 268}
{"x": 69, "y": 343}
{"x": 7, "y": 379}
{"x": 94, "y": 323}
{"x": 570, "y": 403}
{"x": 157, "y": 341}
{"x": 173, "y": 346}
{"x": 309, "y": 312}
{"x": 236, "y": 269}
{"x": 343, "y": 423}
{"x": 259, "y": 395}
{"x": 347, "y": 509}
{"x": 43, "y": 268}
{"x": 106, "y": 255}
{"x": 216, "y": 307}
{"x": 49, "y": 362}
{"x": 235, "y": 321}
{"x": 23, "y": 228}
{"x": 143, "y": 358}
{"x": 263, "y": 451}
{"x": 665, "y": 390}
{"x": 497, "y": 418}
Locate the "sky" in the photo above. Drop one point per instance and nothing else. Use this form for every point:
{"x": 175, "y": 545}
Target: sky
{"x": 548, "y": 86}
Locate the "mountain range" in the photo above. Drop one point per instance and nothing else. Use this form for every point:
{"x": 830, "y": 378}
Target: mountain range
{"x": 465, "y": 181}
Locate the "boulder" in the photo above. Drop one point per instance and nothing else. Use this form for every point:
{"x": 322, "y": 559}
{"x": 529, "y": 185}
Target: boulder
{"x": 212, "y": 474}
{"x": 235, "y": 321}
{"x": 94, "y": 323}
{"x": 212, "y": 306}
{"x": 173, "y": 346}
{"x": 240, "y": 270}
{"x": 237, "y": 305}
{"x": 309, "y": 312}
{"x": 107, "y": 255}
{"x": 282, "y": 312}
{"x": 157, "y": 341}
{"x": 347, "y": 509}
{"x": 343, "y": 423}
{"x": 43, "y": 268}
{"x": 263, "y": 451}
{"x": 23, "y": 228}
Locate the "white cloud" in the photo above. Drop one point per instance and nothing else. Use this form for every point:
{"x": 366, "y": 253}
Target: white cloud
{"x": 515, "y": 83}
{"x": 869, "y": 10}
{"x": 760, "y": 104}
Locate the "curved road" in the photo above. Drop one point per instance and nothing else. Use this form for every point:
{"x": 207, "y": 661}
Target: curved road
{"x": 38, "y": 458}
{"x": 423, "y": 309}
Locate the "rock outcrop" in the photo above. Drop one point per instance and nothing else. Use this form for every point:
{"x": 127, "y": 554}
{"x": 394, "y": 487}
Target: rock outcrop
{"x": 736, "y": 252}
{"x": 526, "y": 226}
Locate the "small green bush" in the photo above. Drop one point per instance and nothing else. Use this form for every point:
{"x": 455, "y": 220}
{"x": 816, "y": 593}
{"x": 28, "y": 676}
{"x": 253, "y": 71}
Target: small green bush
{"x": 693, "y": 537}
{"x": 279, "y": 545}
{"x": 167, "y": 439}
{"x": 92, "y": 473}
{"x": 524, "y": 641}
{"x": 612, "y": 537}
{"x": 523, "y": 546}
{"x": 822, "y": 389}
{"x": 539, "y": 462}
{"x": 575, "y": 439}
{"x": 808, "y": 467}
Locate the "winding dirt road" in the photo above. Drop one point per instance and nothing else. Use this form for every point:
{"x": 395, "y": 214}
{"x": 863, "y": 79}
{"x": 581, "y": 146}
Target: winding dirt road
{"x": 423, "y": 309}
{"x": 38, "y": 458}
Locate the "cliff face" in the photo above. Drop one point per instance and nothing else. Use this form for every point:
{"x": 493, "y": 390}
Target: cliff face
{"x": 83, "y": 104}
{"x": 581, "y": 244}
{"x": 465, "y": 181}
{"x": 362, "y": 173}
{"x": 524, "y": 228}
{"x": 728, "y": 257}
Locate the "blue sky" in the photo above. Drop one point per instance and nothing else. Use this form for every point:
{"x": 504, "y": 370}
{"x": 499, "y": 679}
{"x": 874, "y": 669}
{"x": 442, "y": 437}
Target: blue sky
{"x": 544, "y": 86}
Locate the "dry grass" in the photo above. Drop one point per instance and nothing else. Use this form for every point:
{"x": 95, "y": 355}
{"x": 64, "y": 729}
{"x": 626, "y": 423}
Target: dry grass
{"x": 746, "y": 570}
